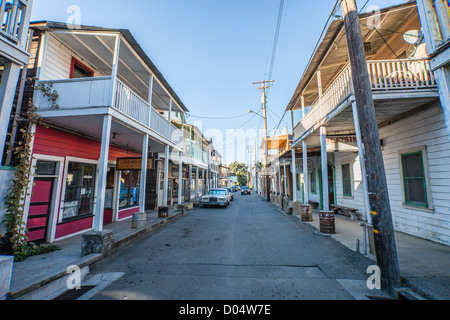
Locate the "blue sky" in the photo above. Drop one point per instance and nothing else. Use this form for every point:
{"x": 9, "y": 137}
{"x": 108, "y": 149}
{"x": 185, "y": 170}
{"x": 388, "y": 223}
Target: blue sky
{"x": 211, "y": 51}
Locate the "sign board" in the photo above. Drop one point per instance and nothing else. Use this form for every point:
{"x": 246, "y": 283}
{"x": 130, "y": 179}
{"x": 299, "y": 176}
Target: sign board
{"x": 132, "y": 164}
{"x": 344, "y": 143}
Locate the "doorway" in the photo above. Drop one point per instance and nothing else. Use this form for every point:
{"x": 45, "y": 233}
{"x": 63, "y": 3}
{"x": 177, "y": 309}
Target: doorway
{"x": 331, "y": 186}
{"x": 41, "y": 201}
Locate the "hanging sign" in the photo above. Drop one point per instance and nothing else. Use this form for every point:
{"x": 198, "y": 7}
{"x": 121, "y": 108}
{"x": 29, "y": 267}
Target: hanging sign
{"x": 132, "y": 164}
{"x": 344, "y": 143}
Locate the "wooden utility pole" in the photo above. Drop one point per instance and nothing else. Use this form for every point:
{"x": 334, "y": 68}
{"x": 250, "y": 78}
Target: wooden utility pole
{"x": 371, "y": 154}
{"x": 264, "y": 102}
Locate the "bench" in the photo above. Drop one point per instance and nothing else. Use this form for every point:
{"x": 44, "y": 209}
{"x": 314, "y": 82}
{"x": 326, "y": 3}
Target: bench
{"x": 348, "y": 212}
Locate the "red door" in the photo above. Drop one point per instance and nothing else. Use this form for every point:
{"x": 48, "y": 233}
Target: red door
{"x": 39, "y": 213}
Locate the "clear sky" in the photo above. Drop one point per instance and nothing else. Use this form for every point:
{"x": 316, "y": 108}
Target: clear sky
{"x": 211, "y": 51}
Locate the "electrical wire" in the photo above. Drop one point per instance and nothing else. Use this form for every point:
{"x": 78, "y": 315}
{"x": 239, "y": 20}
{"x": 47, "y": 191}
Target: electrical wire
{"x": 217, "y": 118}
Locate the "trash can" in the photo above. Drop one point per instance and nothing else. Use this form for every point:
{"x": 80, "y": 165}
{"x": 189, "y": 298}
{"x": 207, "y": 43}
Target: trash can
{"x": 306, "y": 212}
{"x": 327, "y": 224}
{"x": 163, "y": 212}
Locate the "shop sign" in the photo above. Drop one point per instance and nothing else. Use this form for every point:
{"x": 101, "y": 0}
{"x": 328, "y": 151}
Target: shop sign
{"x": 345, "y": 143}
{"x": 126, "y": 164}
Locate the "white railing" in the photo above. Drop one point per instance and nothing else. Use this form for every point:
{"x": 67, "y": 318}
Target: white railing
{"x": 128, "y": 102}
{"x": 14, "y": 16}
{"x": 87, "y": 93}
{"x": 387, "y": 75}
{"x": 400, "y": 74}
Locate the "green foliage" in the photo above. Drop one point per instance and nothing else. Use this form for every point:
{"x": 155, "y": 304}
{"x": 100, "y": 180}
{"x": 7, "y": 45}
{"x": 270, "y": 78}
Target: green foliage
{"x": 15, "y": 242}
{"x": 241, "y": 171}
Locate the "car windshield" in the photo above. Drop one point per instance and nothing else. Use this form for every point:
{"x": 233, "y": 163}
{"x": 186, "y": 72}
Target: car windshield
{"x": 217, "y": 192}
{"x": 245, "y": 188}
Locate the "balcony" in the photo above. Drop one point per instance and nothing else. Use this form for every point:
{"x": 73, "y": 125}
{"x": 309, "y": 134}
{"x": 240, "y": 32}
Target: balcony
{"x": 101, "y": 95}
{"x": 14, "y": 16}
{"x": 15, "y": 20}
{"x": 392, "y": 80}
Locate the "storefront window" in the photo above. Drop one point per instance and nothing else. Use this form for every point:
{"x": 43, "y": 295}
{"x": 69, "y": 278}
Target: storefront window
{"x": 80, "y": 188}
{"x": 129, "y": 189}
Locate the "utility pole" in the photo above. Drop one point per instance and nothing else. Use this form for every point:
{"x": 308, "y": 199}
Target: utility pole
{"x": 249, "y": 172}
{"x": 264, "y": 103}
{"x": 371, "y": 154}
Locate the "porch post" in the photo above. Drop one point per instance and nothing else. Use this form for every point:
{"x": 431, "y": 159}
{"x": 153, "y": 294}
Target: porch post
{"x": 279, "y": 176}
{"x": 305, "y": 170}
{"x": 285, "y": 177}
{"x": 143, "y": 174}
{"x": 362, "y": 164}
{"x": 180, "y": 178}
{"x": 294, "y": 176}
{"x": 115, "y": 68}
{"x": 197, "y": 171}
{"x": 324, "y": 160}
{"x": 102, "y": 172}
{"x": 8, "y": 87}
{"x": 166, "y": 176}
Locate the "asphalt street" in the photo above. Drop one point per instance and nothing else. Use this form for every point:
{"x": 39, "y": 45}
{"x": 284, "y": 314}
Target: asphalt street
{"x": 247, "y": 251}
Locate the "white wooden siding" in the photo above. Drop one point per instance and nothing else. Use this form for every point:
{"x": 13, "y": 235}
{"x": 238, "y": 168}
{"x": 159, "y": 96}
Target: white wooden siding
{"x": 424, "y": 129}
{"x": 357, "y": 199}
{"x": 58, "y": 59}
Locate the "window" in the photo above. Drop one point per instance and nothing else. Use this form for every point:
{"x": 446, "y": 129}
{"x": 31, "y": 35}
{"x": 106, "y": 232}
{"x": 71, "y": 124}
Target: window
{"x": 129, "y": 189}
{"x": 80, "y": 187}
{"x": 347, "y": 180}
{"x": 79, "y": 70}
{"x": 312, "y": 179}
{"x": 414, "y": 180}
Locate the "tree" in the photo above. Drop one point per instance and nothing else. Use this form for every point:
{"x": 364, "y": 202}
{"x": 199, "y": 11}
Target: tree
{"x": 241, "y": 171}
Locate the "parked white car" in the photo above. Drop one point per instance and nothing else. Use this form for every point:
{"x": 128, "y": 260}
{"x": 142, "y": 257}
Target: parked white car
{"x": 216, "y": 197}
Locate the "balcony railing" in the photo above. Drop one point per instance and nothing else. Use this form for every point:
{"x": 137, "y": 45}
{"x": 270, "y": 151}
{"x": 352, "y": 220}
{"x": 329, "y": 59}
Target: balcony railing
{"x": 385, "y": 75}
{"x": 191, "y": 149}
{"x": 13, "y": 16}
{"x": 86, "y": 93}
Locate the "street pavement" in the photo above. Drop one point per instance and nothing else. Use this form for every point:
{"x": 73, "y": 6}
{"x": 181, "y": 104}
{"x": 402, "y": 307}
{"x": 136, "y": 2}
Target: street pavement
{"x": 248, "y": 251}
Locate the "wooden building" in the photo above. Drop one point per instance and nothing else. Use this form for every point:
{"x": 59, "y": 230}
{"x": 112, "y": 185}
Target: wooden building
{"x": 101, "y": 135}
{"x": 414, "y": 139}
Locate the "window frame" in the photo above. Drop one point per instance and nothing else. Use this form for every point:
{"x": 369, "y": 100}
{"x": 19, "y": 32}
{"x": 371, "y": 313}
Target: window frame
{"x": 65, "y": 190}
{"x": 426, "y": 180}
{"x": 350, "y": 179}
{"x": 81, "y": 64}
{"x": 313, "y": 182}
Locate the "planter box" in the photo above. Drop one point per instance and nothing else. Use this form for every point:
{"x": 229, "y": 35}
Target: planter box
{"x": 6, "y": 269}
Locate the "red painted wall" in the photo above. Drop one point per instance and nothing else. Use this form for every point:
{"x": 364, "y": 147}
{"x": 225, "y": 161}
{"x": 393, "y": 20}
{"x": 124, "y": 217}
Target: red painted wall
{"x": 127, "y": 213}
{"x": 53, "y": 142}
{"x": 49, "y": 141}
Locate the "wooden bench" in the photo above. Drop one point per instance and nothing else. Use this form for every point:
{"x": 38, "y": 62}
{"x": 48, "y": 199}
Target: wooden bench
{"x": 348, "y": 212}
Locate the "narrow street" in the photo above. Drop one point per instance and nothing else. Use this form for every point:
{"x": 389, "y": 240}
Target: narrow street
{"x": 248, "y": 251}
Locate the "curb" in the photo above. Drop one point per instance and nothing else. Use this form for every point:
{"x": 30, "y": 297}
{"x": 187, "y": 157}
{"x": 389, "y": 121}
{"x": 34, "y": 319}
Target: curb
{"x": 121, "y": 240}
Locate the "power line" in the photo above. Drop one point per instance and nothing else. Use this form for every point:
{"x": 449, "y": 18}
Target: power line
{"x": 217, "y": 118}
{"x": 275, "y": 40}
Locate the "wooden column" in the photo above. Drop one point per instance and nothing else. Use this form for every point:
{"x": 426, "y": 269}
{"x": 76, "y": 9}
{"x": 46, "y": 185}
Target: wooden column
{"x": 166, "y": 176}
{"x": 143, "y": 183}
{"x": 10, "y": 78}
{"x": 305, "y": 170}
{"x": 102, "y": 172}
{"x": 324, "y": 162}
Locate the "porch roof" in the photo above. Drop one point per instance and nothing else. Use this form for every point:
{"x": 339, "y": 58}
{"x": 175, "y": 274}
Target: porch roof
{"x": 134, "y": 66}
{"x": 331, "y": 56}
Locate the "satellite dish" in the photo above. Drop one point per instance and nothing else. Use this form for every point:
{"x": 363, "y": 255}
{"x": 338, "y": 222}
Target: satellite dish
{"x": 413, "y": 37}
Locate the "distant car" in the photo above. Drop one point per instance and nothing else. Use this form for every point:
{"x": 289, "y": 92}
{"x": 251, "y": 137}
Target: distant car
{"x": 245, "y": 190}
{"x": 216, "y": 197}
{"x": 231, "y": 193}
{"x": 234, "y": 189}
